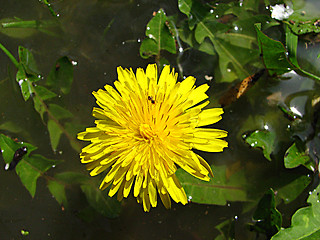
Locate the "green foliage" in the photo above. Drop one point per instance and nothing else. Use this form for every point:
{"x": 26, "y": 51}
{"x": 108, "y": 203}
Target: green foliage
{"x": 305, "y": 223}
{"x": 262, "y": 139}
{"x": 60, "y": 77}
{"x": 158, "y": 38}
{"x": 268, "y": 218}
{"x": 219, "y": 190}
{"x": 296, "y": 156}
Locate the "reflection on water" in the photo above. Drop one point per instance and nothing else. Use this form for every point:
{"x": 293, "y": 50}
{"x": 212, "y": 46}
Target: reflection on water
{"x": 99, "y": 36}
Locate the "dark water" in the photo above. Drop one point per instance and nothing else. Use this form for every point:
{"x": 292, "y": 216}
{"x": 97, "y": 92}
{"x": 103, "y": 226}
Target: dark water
{"x": 97, "y": 55}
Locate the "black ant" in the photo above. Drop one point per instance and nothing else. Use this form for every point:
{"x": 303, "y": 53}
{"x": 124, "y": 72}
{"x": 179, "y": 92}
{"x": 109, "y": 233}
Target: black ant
{"x": 151, "y": 99}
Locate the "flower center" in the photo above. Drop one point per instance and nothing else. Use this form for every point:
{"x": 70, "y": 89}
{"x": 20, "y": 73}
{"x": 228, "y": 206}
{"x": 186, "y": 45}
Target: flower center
{"x": 146, "y": 131}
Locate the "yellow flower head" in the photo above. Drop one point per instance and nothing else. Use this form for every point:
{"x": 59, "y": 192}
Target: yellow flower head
{"x": 147, "y": 128}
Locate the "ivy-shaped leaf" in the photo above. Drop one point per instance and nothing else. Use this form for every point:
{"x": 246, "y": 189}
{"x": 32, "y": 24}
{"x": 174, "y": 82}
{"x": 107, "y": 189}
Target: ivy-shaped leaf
{"x": 158, "y": 38}
{"x": 218, "y": 190}
{"x": 296, "y": 156}
{"x": 305, "y": 223}
{"x": 263, "y": 139}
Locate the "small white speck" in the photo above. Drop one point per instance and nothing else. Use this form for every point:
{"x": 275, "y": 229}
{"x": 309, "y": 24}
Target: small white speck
{"x": 123, "y": 43}
{"x": 211, "y": 10}
{"x": 138, "y": 5}
{"x": 236, "y": 217}
{"x": 266, "y": 127}
{"x": 53, "y": 166}
{"x": 189, "y": 198}
{"x": 60, "y": 152}
{"x": 252, "y": 144}
{"x": 105, "y": 73}
{"x": 295, "y": 111}
{"x": 310, "y": 193}
{"x": 180, "y": 49}
{"x": 74, "y": 63}
{"x": 148, "y": 28}
{"x": 138, "y": 40}
{"x": 6, "y": 167}
{"x": 217, "y": 16}
{"x": 236, "y": 28}
{"x": 58, "y": 15}
{"x": 20, "y": 81}
{"x": 228, "y": 70}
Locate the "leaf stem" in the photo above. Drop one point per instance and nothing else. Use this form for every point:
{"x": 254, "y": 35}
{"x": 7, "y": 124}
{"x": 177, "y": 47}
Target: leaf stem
{"x": 12, "y": 58}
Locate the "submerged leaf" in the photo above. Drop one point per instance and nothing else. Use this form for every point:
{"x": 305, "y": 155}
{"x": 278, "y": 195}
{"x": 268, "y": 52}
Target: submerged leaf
{"x": 54, "y": 133}
{"x": 100, "y": 201}
{"x": 58, "y": 191}
{"x": 218, "y": 190}
{"x": 268, "y": 218}
{"x": 61, "y": 75}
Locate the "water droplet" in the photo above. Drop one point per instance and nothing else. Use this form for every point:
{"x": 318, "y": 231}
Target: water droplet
{"x": 236, "y": 217}
{"x": 217, "y": 16}
{"x": 6, "y": 167}
{"x": 189, "y": 198}
{"x": 53, "y": 166}
{"x": 211, "y": 10}
{"x": 180, "y": 49}
{"x": 228, "y": 204}
{"x": 60, "y": 152}
{"x": 138, "y": 40}
{"x": 74, "y": 63}
{"x": 310, "y": 193}
{"x": 20, "y": 82}
{"x": 138, "y": 5}
{"x": 148, "y": 28}
{"x": 228, "y": 70}
{"x": 236, "y": 28}
{"x": 58, "y": 15}
{"x": 266, "y": 127}
{"x": 252, "y": 144}
{"x": 123, "y": 43}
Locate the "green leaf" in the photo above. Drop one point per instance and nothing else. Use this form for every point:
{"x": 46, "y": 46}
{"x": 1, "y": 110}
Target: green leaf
{"x": 100, "y": 201}
{"x": 296, "y": 156}
{"x": 18, "y": 29}
{"x": 44, "y": 93}
{"x": 159, "y": 36}
{"x": 262, "y": 139}
{"x": 59, "y": 112}
{"x": 24, "y": 83}
{"x": 9, "y": 147}
{"x": 54, "y": 133}
{"x": 226, "y": 229}
{"x": 39, "y": 106}
{"x": 148, "y": 48}
{"x": 11, "y": 127}
{"x": 61, "y": 75}
{"x": 268, "y": 218}
{"x": 26, "y": 58}
{"x": 218, "y": 190}
{"x": 58, "y": 191}
{"x": 29, "y": 169}
{"x": 73, "y": 129}
{"x": 292, "y": 190}
{"x": 302, "y": 24}
{"x": 273, "y": 53}
{"x": 305, "y": 223}
{"x": 72, "y": 178}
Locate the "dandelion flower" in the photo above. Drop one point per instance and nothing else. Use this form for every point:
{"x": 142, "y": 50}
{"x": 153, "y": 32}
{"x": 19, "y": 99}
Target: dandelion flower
{"x": 145, "y": 128}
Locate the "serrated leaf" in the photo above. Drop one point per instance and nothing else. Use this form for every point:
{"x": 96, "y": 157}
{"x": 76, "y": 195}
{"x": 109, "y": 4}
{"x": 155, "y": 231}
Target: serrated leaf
{"x": 268, "y": 218}
{"x": 54, "y": 133}
{"x": 9, "y": 147}
{"x": 61, "y": 75}
{"x": 30, "y": 168}
{"x": 262, "y": 139}
{"x": 218, "y": 190}
{"x": 294, "y": 157}
{"x": 305, "y": 223}
{"x": 58, "y": 191}
{"x": 44, "y": 93}
{"x": 101, "y": 202}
